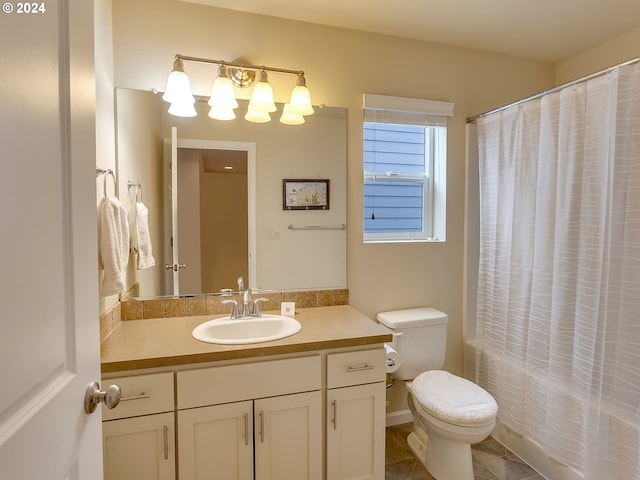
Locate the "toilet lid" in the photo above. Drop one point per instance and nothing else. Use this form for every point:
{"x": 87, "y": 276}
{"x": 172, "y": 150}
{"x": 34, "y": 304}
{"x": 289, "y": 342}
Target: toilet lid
{"x": 453, "y": 399}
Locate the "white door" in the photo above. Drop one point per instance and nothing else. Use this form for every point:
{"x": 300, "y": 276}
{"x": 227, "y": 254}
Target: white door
{"x": 172, "y": 263}
{"x": 49, "y": 340}
{"x": 174, "y": 212}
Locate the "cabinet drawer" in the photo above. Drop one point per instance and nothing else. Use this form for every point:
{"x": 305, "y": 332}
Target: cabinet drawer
{"x": 141, "y": 395}
{"x": 356, "y": 368}
{"x": 233, "y": 383}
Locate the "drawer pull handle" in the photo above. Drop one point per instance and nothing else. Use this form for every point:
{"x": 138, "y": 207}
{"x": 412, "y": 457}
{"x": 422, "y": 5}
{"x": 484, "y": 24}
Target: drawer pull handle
{"x": 166, "y": 442}
{"x": 142, "y": 396}
{"x": 359, "y": 368}
{"x": 335, "y": 414}
{"x": 246, "y": 429}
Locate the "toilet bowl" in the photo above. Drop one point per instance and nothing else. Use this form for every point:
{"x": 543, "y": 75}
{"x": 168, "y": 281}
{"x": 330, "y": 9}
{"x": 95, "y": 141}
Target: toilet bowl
{"x": 450, "y": 413}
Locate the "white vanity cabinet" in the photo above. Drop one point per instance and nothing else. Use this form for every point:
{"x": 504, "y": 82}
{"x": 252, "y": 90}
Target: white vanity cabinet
{"x": 264, "y": 417}
{"x": 139, "y": 435}
{"x": 356, "y": 415}
{"x": 313, "y": 416}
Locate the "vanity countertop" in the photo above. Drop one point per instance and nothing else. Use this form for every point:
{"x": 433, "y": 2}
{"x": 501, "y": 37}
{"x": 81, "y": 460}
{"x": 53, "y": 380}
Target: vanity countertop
{"x": 163, "y": 342}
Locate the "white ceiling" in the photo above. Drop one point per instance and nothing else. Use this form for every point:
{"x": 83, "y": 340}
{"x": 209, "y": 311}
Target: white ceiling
{"x": 548, "y": 30}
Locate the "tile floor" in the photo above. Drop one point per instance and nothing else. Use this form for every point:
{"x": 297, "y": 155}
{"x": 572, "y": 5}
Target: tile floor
{"x": 491, "y": 461}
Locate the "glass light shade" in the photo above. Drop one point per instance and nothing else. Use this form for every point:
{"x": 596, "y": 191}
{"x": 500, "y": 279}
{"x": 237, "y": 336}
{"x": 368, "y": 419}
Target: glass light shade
{"x": 257, "y": 116}
{"x": 221, "y": 113}
{"x": 289, "y": 118}
{"x": 178, "y": 88}
{"x": 222, "y": 94}
{"x": 262, "y": 96}
{"x": 183, "y": 109}
{"x": 300, "y": 103}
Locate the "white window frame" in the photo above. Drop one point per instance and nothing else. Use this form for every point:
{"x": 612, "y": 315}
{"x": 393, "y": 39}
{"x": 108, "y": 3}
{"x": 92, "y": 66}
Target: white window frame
{"x": 434, "y": 178}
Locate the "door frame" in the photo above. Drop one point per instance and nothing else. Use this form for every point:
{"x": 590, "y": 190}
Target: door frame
{"x": 250, "y": 149}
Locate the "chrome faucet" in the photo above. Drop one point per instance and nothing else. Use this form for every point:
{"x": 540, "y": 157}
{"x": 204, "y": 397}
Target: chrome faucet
{"x": 234, "y": 313}
{"x": 246, "y": 300}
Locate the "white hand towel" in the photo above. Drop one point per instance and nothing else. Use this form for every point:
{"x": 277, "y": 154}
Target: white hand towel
{"x": 140, "y": 237}
{"x": 114, "y": 245}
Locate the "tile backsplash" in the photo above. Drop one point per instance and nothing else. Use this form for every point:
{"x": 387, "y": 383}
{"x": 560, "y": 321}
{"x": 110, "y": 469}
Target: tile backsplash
{"x": 138, "y": 309}
{"x": 110, "y": 320}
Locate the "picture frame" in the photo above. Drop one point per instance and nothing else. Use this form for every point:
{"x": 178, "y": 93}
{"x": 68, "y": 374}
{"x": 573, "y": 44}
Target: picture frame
{"x": 305, "y": 194}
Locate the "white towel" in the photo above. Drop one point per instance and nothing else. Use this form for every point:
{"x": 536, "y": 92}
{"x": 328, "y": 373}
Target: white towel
{"x": 114, "y": 245}
{"x": 140, "y": 237}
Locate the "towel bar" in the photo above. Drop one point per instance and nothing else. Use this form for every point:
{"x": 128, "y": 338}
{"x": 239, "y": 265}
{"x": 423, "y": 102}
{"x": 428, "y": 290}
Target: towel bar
{"x": 317, "y": 227}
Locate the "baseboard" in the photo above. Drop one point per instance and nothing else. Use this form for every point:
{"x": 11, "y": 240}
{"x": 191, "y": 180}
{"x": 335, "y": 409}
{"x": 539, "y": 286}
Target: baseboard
{"x": 398, "y": 418}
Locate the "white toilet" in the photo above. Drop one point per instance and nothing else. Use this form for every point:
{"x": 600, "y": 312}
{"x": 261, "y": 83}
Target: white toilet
{"x": 449, "y": 413}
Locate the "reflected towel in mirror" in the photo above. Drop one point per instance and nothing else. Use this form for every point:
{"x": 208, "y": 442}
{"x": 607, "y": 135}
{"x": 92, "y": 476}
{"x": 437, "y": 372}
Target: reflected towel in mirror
{"x": 114, "y": 245}
{"x": 140, "y": 237}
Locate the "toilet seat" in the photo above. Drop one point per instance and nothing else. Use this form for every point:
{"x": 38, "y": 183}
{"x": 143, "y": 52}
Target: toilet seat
{"x": 453, "y": 399}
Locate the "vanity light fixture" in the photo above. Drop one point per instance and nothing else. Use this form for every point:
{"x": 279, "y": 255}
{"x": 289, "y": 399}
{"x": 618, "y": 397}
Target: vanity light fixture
{"x": 289, "y": 118}
{"x": 178, "y": 92}
{"x": 223, "y": 101}
{"x": 262, "y": 96}
{"x": 300, "y": 103}
{"x": 257, "y": 116}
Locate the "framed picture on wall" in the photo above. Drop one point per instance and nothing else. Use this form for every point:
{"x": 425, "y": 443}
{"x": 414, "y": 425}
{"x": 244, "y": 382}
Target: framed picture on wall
{"x": 305, "y": 194}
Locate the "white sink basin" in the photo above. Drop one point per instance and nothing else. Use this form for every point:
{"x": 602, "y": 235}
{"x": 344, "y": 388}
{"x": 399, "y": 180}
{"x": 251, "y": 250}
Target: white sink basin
{"x": 238, "y": 331}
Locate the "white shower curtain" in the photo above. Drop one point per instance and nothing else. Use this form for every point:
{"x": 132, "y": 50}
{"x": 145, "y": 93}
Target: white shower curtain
{"x": 558, "y": 317}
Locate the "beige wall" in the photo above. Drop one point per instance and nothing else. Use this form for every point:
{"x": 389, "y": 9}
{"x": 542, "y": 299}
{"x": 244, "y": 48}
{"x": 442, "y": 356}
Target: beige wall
{"x": 610, "y": 53}
{"x": 340, "y": 66}
{"x": 139, "y": 159}
{"x": 223, "y": 210}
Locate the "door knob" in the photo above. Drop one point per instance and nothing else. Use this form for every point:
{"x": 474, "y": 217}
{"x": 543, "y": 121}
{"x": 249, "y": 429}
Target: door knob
{"x": 93, "y": 396}
{"x": 175, "y": 266}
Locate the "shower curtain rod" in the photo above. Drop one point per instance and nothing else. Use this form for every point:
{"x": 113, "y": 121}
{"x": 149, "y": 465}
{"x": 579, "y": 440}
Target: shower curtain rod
{"x": 555, "y": 89}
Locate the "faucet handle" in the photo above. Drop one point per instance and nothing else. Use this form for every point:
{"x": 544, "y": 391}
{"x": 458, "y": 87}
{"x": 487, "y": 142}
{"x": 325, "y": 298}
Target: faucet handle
{"x": 256, "y": 306}
{"x": 241, "y": 283}
{"x": 235, "y": 313}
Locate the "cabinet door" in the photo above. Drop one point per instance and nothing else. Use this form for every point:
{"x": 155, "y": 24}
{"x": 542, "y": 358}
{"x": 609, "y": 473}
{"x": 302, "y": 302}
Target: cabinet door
{"x": 216, "y": 443}
{"x": 288, "y": 437}
{"x": 355, "y": 432}
{"x": 139, "y": 448}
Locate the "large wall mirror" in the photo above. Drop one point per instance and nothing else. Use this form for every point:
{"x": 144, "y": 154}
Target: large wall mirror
{"x": 231, "y": 221}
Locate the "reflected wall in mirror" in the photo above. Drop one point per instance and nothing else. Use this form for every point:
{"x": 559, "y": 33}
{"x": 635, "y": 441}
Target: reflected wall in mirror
{"x": 285, "y": 259}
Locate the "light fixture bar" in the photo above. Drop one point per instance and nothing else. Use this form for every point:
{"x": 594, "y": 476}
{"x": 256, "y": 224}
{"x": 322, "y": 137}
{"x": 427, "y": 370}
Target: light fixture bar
{"x": 222, "y": 100}
{"x": 240, "y": 65}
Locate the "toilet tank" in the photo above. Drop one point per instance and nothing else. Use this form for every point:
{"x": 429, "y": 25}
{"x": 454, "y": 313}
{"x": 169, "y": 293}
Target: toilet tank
{"x": 419, "y": 336}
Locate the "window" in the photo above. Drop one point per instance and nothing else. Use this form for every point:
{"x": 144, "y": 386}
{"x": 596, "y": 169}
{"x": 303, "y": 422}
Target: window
{"x": 404, "y": 169}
